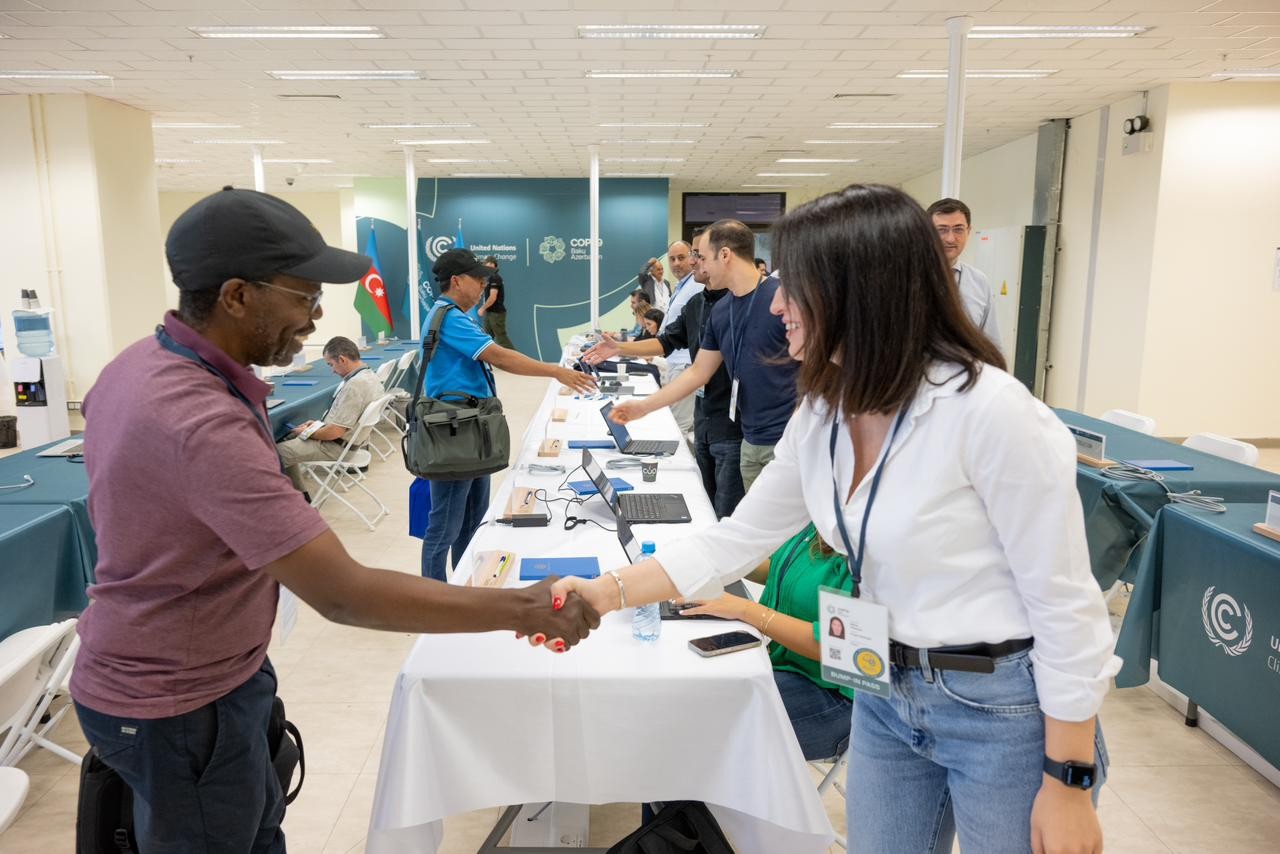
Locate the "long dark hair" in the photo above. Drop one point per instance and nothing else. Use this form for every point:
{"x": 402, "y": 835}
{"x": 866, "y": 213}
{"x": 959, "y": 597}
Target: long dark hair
{"x": 865, "y": 270}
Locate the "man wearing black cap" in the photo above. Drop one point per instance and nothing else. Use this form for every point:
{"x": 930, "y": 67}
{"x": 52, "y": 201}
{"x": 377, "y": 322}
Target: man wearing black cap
{"x": 197, "y": 525}
{"x": 463, "y": 362}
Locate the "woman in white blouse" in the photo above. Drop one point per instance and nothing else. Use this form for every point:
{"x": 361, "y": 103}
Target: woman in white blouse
{"x": 1001, "y": 648}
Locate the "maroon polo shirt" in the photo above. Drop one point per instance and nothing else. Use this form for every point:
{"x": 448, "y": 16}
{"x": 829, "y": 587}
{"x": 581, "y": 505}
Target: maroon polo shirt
{"x": 188, "y": 503}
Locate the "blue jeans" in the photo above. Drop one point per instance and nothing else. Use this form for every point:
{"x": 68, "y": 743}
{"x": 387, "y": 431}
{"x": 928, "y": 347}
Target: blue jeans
{"x": 721, "y": 475}
{"x": 202, "y": 781}
{"x": 950, "y": 752}
{"x": 819, "y": 716}
{"x": 457, "y": 509}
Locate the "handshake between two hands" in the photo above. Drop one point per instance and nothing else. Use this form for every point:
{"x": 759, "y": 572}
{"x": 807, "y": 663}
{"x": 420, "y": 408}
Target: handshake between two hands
{"x": 560, "y": 612}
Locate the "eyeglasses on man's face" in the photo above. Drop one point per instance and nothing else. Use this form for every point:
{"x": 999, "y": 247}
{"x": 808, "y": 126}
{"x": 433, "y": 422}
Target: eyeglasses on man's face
{"x": 313, "y": 298}
{"x": 957, "y": 230}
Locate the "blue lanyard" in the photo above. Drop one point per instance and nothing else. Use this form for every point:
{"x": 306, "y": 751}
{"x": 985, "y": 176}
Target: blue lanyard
{"x": 167, "y": 342}
{"x": 734, "y": 338}
{"x": 856, "y": 555}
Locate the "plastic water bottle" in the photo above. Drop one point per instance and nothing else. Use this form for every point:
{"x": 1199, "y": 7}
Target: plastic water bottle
{"x": 34, "y": 330}
{"x": 646, "y": 625}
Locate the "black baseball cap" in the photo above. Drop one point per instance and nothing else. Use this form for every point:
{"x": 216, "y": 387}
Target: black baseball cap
{"x": 250, "y": 235}
{"x": 459, "y": 262}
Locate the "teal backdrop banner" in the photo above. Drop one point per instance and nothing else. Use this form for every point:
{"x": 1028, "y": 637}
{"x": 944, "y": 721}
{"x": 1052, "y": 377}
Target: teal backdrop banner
{"x": 538, "y": 229}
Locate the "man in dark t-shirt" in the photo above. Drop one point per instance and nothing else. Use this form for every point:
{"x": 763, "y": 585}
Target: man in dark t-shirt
{"x": 493, "y": 311}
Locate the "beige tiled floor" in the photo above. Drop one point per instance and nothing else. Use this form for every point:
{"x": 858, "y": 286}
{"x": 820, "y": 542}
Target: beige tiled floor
{"x": 1172, "y": 789}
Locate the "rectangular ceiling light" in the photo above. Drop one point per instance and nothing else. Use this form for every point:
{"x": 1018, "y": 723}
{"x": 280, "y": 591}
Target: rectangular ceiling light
{"x": 441, "y": 141}
{"x": 652, "y": 125}
{"x": 644, "y": 160}
{"x": 852, "y": 141}
{"x": 816, "y": 160}
{"x": 882, "y": 125}
{"x": 462, "y": 160}
{"x": 670, "y": 31}
{"x": 1022, "y": 31}
{"x": 194, "y": 125}
{"x": 302, "y": 160}
{"x": 288, "y": 32}
{"x": 637, "y": 174}
{"x": 980, "y": 74}
{"x": 663, "y": 73}
{"x": 418, "y": 125}
{"x": 53, "y": 75}
{"x": 792, "y": 174}
{"x": 488, "y": 175}
{"x": 1256, "y": 73}
{"x": 237, "y": 142}
{"x": 170, "y": 161}
{"x": 376, "y": 74}
{"x": 768, "y": 185}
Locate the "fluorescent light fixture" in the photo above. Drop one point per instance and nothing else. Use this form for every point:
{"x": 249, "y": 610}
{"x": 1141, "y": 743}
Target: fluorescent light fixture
{"x": 663, "y": 73}
{"x": 302, "y": 160}
{"x": 852, "y": 141}
{"x": 1023, "y": 31}
{"x": 53, "y": 75}
{"x": 1256, "y": 73}
{"x": 237, "y": 142}
{"x": 462, "y": 160}
{"x": 882, "y": 125}
{"x": 288, "y": 32}
{"x": 441, "y": 141}
{"x": 644, "y": 160}
{"x": 768, "y": 185}
{"x": 170, "y": 161}
{"x": 817, "y": 160}
{"x": 376, "y": 74}
{"x": 792, "y": 174}
{"x": 418, "y": 125}
{"x": 653, "y": 125}
{"x": 637, "y": 174}
{"x": 670, "y": 31}
{"x": 979, "y": 74}
{"x": 488, "y": 175}
{"x": 194, "y": 126}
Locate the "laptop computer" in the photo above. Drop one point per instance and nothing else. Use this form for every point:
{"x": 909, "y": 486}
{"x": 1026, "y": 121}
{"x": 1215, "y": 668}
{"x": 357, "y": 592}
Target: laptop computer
{"x": 637, "y": 447}
{"x": 668, "y": 610}
{"x": 643, "y": 508}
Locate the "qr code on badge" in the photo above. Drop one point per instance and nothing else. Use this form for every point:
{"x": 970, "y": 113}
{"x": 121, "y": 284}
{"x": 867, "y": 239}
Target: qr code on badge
{"x": 834, "y": 653}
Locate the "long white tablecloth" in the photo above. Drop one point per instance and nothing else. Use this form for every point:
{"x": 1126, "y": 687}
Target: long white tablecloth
{"x": 486, "y": 720}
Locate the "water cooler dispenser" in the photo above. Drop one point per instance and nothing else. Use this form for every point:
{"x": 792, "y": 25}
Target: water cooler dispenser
{"x": 39, "y": 380}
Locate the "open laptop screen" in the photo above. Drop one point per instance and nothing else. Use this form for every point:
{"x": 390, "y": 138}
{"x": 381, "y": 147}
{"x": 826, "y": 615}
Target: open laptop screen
{"x": 620, "y": 434}
{"x": 627, "y": 538}
{"x": 598, "y": 477}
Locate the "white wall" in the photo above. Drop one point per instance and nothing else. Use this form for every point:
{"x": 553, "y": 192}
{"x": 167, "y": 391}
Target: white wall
{"x": 333, "y": 216}
{"x": 997, "y": 185}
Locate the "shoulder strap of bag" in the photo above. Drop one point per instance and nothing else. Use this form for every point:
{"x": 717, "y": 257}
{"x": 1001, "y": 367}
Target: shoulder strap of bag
{"x": 429, "y": 344}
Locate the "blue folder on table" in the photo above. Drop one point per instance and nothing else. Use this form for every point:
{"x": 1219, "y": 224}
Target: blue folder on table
{"x": 579, "y": 444}
{"x": 538, "y": 568}
{"x": 584, "y": 488}
{"x": 299, "y": 382}
{"x": 1161, "y": 465}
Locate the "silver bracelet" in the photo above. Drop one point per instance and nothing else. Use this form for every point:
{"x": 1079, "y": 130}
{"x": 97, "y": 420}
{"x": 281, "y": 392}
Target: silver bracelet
{"x": 622, "y": 589}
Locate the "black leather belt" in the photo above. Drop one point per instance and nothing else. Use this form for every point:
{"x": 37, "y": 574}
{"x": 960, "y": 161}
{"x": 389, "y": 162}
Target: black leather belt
{"x": 974, "y": 657}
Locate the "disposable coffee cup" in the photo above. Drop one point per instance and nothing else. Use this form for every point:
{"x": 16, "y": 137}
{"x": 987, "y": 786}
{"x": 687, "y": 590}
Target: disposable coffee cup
{"x": 382, "y": 337}
{"x": 362, "y": 342}
{"x": 649, "y": 471}
{"x": 622, "y": 370}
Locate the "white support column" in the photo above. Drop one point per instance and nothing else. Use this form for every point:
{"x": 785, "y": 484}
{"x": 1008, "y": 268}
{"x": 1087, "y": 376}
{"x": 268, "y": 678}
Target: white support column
{"x": 259, "y": 176}
{"x": 411, "y": 234}
{"x": 953, "y": 143}
{"x": 595, "y": 235}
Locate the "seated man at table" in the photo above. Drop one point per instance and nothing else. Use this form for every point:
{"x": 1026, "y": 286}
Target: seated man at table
{"x": 324, "y": 439}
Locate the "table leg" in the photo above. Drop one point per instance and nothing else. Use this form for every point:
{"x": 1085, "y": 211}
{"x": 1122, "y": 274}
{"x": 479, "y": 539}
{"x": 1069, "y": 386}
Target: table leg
{"x": 1193, "y": 714}
{"x": 508, "y": 817}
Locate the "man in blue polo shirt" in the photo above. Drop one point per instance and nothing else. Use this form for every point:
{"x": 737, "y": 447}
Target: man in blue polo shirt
{"x": 464, "y": 362}
{"x": 743, "y": 336}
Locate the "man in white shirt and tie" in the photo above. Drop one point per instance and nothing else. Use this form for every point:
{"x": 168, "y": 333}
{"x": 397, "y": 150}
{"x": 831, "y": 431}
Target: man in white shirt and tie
{"x": 952, "y": 220}
{"x": 680, "y": 257}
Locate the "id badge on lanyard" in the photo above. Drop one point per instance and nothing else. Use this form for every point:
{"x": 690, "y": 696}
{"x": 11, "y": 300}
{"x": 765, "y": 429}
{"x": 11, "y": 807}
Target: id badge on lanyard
{"x": 737, "y": 349}
{"x": 855, "y": 633}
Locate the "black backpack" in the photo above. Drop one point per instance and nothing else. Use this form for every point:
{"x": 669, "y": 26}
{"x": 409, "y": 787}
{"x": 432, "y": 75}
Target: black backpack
{"x": 104, "y": 819}
{"x": 681, "y": 827}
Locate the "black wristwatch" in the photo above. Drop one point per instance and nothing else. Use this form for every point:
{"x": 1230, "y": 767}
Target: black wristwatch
{"x": 1077, "y": 775}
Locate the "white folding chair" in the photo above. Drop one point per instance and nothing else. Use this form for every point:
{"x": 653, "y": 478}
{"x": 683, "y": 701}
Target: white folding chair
{"x": 345, "y": 472}
{"x": 1221, "y": 446}
{"x": 1132, "y": 420}
{"x": 33, "y": 665}
{"x": 383, "y": 373}
{"x": 391, "y": 417}
{"x": 833, "y": 777}
{"x": 14, "y": 784}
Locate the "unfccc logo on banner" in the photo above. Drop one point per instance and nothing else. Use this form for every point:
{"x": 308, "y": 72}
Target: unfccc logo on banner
{"x": 437, "y": 246}
{"x": 1221, "y": 615}
{"x": 551, "y": 249}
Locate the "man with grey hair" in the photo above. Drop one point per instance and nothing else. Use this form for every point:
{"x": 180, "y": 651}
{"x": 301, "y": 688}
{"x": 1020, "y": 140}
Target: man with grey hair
{"x": 315, "y": 441}
{"x": 680, "y": 257}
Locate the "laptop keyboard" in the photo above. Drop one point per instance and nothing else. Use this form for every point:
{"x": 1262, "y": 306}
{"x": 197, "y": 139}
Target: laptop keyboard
{"x": 642, "y": 508}
{"x": 648, "y": 446}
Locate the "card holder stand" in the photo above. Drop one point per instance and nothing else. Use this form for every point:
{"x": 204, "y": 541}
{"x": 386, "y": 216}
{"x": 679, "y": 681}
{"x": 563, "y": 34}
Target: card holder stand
{"x": 1267, "y": 531}
{"x": 550, "y": 448}
{"x": 522, "y": 502}
{"x": 1093, "y": 462}
{"x": 559, "y": 415}
{"x": 492, "y": 569}
{"x": 301, "y": 370}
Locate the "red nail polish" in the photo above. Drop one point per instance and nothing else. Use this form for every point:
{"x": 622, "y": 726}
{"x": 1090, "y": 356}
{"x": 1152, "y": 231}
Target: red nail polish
{"x": 539, "y": 638}
{"x": 557, "y": 603}
{"x": 560, "y": 647}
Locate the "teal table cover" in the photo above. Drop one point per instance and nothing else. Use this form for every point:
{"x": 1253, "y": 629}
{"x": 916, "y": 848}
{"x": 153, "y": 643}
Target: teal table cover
{"x": 61, "y": 482}
{"x": 41, "y": 569}
{"x": 304, "y": 403}
{"x": 1118, "y": 514}
{"x": 1206, "y": 605}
